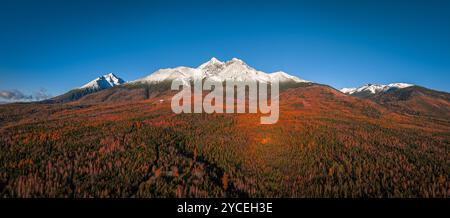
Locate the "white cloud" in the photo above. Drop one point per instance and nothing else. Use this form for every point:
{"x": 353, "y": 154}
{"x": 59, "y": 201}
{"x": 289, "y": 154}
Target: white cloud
{"x": 16, "y": 95}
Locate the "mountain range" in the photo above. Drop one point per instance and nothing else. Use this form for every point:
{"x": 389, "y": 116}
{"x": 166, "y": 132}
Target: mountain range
{"x": 111, "y": 88}
{"x": 214, "y": 69}
{"x": 234, "y": 70}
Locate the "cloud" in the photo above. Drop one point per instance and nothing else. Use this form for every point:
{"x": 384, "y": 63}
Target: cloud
{"x": 41, "y": 94}
{"x": 16, "y": 95}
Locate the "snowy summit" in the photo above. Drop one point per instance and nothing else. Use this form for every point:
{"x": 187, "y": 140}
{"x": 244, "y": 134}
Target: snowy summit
{"x": 234, "y": 69}
{"x": 104, "y": 82}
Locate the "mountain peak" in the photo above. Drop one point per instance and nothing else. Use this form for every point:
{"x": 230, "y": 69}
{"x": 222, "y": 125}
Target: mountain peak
{"x": 214, "y": 59}
{"x": 110, "y": 75}
{"x": 212, "y": 62}
{"x": 103, "y": 82}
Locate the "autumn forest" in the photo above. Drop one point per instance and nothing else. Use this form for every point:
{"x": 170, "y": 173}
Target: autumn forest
{"x": 325, "y": 144}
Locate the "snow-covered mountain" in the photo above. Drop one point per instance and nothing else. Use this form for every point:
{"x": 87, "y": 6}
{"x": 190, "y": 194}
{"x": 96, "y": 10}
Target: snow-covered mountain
{"x": 374, "y": 88}
{"x": 234, "y": 69}
{"x": 214, "y": 69}
{"x": 104, "y": 82}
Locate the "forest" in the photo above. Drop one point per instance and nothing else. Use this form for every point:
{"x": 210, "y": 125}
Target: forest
{"x": 324, "y": 145}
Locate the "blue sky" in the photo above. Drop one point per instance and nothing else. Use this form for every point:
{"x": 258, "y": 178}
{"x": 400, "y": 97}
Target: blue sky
{"x": 59, "y": 45}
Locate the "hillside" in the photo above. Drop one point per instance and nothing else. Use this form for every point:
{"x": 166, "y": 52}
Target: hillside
{"x": 416, "y": 100}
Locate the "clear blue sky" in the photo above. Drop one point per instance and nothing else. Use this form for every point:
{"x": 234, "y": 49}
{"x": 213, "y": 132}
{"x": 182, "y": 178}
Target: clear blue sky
{"x": 59, "y": 45}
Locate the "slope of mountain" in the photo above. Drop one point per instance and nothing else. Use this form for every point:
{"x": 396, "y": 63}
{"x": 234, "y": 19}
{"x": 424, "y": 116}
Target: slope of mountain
{"x": 405, "y": 98}
{"x": 101, "y": 83}
{"x": 284, "y": 77}
{"x": 415, "y": 100}
{"x": 372, "y": 89}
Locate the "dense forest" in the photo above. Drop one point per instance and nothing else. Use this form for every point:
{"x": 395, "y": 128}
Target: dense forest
{"x": 325, "y": 144}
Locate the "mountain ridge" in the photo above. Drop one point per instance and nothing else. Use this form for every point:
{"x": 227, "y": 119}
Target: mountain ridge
{"x": 234, "y": 69}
